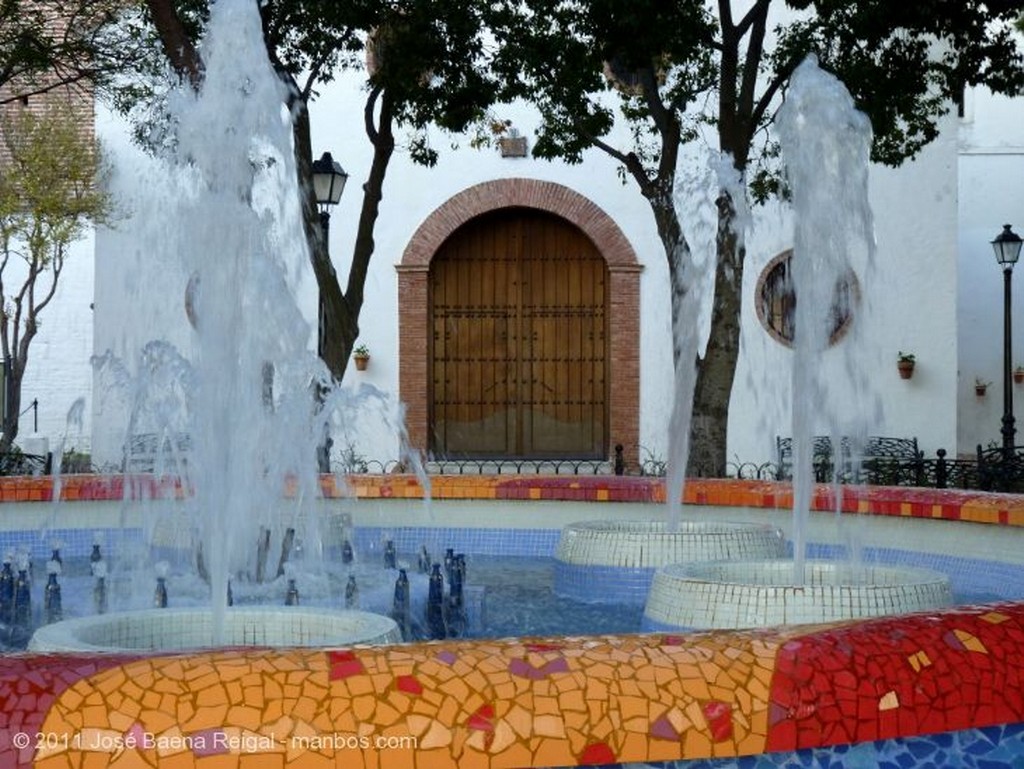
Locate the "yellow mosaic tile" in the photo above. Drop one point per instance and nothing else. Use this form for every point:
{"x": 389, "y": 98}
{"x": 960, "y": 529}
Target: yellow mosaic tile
{"x": 923, "y": 660}
{"x": 512, "y": 701}
{"x": 889, "y": 701}
{"x": 994, "y": 617}
{"x": 970, "y": 642}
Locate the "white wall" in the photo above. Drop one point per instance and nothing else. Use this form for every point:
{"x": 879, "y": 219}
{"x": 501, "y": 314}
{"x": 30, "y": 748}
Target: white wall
{"x": 992, "y": 194}
{"x": 907, "y": 304}
{"x": 911, "y": 291}
{"x": 59, "y": 370}
{"x": 412, "y": 193}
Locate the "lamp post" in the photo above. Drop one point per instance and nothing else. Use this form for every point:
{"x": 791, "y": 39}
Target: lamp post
{"x": 328, "y": 183}
{"x": 1007, "y": 246}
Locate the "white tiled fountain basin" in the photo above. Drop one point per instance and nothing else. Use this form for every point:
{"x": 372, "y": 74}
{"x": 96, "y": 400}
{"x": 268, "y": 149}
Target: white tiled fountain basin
{"x": 178, "y": 629}
{"x": 764, "y": 593}
{"x": 650, "y": 544}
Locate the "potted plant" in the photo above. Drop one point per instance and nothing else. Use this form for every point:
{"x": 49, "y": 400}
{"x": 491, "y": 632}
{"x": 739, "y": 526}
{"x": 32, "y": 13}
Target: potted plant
{"x": 361, "y": 355}
{"x": 1018, "y": 375}
{"x": 905, "y": 364}
{"x": 980, "y": 386}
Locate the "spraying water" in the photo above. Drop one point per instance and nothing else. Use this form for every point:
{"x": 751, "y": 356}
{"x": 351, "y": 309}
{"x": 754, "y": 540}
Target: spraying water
{"x": 695, "y": 195}
{"x": 238, "y": 408}
{"x": 826, "y": 142}
{"x": 244, "y": 246}
{"x": 230, "y": 408}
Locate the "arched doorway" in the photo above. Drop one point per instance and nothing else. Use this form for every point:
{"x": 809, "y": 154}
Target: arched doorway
{"x": 622, "y": 293}
{"x": 518, "y": 340}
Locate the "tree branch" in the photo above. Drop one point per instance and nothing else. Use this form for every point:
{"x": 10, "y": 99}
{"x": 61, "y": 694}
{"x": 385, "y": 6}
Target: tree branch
{"x": 369, "y": 111}
{"x": 56, "y": 267}
{"x": 756, "y": 24}
{"x": 667, "y": 124}
{"x": 757, "y": 114}
{"x": 178, "y": 47}
{"x": 383, "y": 147}
{"x": 629, "y": 160}
{"x": 758, "y": 9}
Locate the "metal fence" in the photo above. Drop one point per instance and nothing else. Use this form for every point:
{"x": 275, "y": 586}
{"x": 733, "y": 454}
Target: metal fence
{"x": 991, "y": 470}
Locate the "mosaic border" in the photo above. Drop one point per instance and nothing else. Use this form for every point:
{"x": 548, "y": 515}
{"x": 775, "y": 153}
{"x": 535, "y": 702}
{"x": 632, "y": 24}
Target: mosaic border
{"x": 934, "y": 504}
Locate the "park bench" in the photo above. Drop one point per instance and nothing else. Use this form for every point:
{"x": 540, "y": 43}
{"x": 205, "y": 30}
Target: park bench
{"x": 152, "y": 452}
{"x": 18, "y": 463}
{"x": 1001, "y": 469}
{"x": 881, "y": 460}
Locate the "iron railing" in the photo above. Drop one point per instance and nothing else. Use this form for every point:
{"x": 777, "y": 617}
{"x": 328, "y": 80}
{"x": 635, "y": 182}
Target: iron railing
{"x": 991, "y": 470}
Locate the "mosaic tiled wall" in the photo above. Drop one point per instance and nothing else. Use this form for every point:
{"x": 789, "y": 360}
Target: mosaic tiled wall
{"x": 944, "y": 504}
{"x": 546, "y": 702}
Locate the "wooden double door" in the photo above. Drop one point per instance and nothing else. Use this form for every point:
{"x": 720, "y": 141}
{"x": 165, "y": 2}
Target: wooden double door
{"x": 518, "y": 358}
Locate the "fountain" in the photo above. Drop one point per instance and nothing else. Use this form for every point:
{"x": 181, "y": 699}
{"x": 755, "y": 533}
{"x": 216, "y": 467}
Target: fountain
{"x": 783, "y": 692}
{"x": 241, "y": 394}
{"x": 741, "y": 594}
{"x": 624, "y": 555}
{"x": 826, "y": 142}
{"x": 168, "y": 630}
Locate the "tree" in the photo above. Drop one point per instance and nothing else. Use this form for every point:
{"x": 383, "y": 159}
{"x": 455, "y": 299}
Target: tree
{"x": 430, "y": 70}
{"x": 49, "y": 194}
{"x": 48, "y": 45}
{"x": 684, "y": 71}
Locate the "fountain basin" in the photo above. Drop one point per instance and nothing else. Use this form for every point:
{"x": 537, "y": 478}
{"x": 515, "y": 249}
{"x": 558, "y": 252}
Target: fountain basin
{"x": 724, "y": 595}
{"x": 181, "y": 629}
{"x": 970, "y": 654}
{"x": 614, "y": 561}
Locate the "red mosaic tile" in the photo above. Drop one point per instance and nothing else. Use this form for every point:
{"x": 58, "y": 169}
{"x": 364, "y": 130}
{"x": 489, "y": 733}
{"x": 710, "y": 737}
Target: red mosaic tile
{"x": 719, "y": 718}
{"x": 892, "y": 698}
{"x": 29, "y": 685}
{"x": 543, "y": 647}
{"x": 482, "y": 719}
{"x": 345, "y": 664}
{"x": 409, "y": 685}
{"x": 597, "y": 753}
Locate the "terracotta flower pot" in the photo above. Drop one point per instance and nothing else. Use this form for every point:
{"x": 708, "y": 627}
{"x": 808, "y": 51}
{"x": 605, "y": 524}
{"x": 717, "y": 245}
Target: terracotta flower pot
{"x": 906, "y": 368}
{"x": 361, "y": 361}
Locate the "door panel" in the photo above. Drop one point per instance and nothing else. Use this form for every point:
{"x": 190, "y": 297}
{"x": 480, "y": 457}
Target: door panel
{"x": 518, "y": 307}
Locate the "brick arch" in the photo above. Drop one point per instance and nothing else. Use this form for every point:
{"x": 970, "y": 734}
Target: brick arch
{"x": 623, "y": 291}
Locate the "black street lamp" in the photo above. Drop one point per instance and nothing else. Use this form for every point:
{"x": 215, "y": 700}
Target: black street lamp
{"x": 1007, "y": 247}
{"x": 328, "y": 183}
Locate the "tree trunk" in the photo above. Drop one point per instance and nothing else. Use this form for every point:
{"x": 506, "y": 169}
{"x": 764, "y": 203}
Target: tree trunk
{"x": 716, "y": 371}
{"x": 380, "y": 131}
{"x": 337, "y": 342}
{"x": 341, "y": 310}
{"x": 13, "y": 412}
{"x": 177, "y": 45}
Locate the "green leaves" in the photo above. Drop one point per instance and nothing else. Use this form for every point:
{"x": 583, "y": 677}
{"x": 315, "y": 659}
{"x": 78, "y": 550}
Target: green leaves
{"x": 905, "y": 62}
{"x": 673, "y": 67}
{"x": 50, "y": 185}
{"x": 430, "y": 58}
